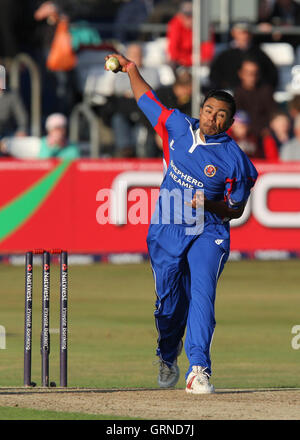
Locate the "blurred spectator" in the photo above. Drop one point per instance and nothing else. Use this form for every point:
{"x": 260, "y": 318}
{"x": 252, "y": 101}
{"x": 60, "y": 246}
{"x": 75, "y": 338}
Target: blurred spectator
{"x": 62, "y": 83}
{"x": 240, "y": 132}
{"x": 254, "y": 97}
{"x": 56, "y": 143}
{"x": 3, "y": 149}
{"x": 131, "y": 13}
{"x": 9, "y": 21}
{"x": 264, "y": 10}
{"x": 58, "y": 95}
{"x": 291, "y": 149}
{"x": 280, "y": 13}
{"x": 280, "y": 132}
{"x": 129, "y": 125}
{"x": 180, "y": 38}
{"x": 294, "y": 106}
{"x": 163, "y": 11}
{"x": 13, "y": 116}
{"x": 225, "y": 66}
{"x": 178, "y": 95}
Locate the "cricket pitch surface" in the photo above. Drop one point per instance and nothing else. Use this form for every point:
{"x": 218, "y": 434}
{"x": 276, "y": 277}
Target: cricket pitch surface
{"x": 157, "y": 404}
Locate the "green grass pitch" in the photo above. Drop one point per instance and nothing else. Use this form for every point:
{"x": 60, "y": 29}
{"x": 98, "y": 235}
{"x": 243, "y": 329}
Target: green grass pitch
{"x": 112, "y": 336}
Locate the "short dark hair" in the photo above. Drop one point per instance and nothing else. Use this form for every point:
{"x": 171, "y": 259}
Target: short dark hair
{"x": 221, "y": 95}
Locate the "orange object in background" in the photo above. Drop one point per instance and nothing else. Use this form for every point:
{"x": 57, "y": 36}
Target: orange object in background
{"x": 61, "y": 56}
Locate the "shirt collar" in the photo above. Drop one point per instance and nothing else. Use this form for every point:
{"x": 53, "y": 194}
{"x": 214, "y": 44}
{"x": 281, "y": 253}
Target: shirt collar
{"x": 210, "y": 139}
{"x": 197, "y": 137}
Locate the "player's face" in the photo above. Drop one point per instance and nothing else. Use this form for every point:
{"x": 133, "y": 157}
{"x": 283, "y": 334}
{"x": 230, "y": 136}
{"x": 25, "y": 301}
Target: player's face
{"x": 215, "y": 117}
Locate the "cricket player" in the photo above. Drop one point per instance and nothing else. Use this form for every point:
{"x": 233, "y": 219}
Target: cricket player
{"x": 207, "y": 172}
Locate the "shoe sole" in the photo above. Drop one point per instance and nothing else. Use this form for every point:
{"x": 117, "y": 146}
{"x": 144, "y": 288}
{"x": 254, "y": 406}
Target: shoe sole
{"x": 167, "y": 386}
{"x": 191, "y": 391}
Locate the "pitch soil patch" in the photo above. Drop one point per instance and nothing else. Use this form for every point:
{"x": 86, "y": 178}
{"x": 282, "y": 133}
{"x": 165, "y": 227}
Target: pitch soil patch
{"x": 153, "y": 404}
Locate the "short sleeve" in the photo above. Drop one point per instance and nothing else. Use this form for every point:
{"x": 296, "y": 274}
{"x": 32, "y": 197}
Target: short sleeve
{"x": 155, "y": 111}
{"x": 241, "y": 180}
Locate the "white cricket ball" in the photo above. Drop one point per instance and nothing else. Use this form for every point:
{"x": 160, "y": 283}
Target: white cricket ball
{"x": 112, "y": 64}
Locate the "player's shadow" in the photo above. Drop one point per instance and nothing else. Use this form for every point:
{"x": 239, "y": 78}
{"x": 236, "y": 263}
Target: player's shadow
{"x": 41, "y": 390}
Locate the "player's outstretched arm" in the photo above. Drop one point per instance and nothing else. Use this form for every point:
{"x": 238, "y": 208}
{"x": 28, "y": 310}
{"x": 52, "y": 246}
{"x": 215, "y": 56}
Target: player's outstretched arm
{"x": 138, "y": 84}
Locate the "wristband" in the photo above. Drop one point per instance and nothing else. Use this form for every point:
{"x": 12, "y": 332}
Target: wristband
{"x": 129, "y": 65}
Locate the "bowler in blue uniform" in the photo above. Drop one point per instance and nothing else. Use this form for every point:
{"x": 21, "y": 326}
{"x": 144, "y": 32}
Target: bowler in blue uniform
{"x": 207, "y": 181}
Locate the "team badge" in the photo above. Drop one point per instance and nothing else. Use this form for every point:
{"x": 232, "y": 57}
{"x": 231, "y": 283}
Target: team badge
{"x": 210, "y": 170}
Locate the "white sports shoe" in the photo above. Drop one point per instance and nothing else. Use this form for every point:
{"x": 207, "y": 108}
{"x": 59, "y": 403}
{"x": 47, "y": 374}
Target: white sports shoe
{"x": 169, "y": 376}
{"x": 198, "y": 382}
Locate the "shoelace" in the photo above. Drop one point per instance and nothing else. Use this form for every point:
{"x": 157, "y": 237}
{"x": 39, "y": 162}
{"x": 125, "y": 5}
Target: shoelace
{"x": 159, "y": 362}
{"x": 165, "y": 370}
{"x": 203, "y": 376}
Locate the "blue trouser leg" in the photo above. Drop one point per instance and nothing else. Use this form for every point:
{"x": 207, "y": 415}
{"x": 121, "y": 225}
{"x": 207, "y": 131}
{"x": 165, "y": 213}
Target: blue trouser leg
{"x": 186, "y": 284}
{"x": 171, "y": 278}
{"x": 206, "y": 261}
{"x": 171, "y": 311}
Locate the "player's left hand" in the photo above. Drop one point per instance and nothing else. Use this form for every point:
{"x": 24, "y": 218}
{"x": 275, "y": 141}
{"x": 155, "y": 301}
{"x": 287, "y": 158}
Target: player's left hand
{"x": 198, "y": 200}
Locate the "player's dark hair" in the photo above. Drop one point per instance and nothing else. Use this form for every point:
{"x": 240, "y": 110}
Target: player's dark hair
{"x": 221, "y": 95}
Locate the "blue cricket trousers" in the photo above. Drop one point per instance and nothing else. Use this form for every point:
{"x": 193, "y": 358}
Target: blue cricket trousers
{"x": 185, "y": 274}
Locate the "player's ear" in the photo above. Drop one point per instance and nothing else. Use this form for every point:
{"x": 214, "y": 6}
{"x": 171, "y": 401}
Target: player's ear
{"x": 230, "y": 122}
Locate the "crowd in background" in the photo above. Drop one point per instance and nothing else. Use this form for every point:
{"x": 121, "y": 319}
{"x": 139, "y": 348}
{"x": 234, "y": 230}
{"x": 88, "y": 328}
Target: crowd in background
{"x": 264, "y": 127}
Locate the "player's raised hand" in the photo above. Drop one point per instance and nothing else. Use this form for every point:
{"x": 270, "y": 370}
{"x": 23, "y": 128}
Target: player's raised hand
{"x": 117, "y": 63}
